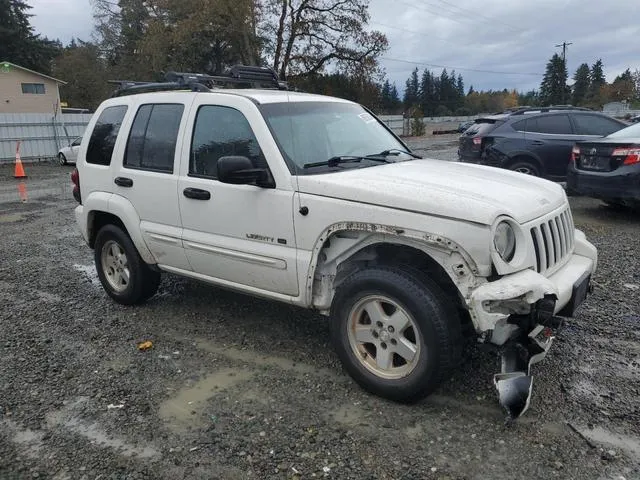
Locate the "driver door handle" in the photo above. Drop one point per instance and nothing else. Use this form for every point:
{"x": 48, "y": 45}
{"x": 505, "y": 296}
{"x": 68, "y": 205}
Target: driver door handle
{"x": 196, "y": 193}
{"x": 123, "y": 182}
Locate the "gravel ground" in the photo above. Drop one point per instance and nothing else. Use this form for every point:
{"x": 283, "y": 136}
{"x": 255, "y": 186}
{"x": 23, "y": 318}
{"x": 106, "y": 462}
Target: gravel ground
{"x": 440, "y": 147}
{"x": 236, "y": 387}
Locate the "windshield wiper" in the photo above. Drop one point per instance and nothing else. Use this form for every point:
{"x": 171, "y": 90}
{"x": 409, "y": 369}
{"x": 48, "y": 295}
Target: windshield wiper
{"x": 337, "y": 160}
{"x": 392, "y": 151}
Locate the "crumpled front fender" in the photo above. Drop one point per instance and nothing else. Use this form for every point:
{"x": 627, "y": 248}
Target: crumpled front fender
{"x": 492, "y": 302}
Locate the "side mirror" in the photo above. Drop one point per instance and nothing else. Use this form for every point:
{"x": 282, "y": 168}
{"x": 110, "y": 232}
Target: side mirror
{"x": 238, "y": 170}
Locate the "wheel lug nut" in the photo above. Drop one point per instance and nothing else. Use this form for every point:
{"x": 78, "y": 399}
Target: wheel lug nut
{"x": 391, "y": 329}
{"x": 375, "y": 334}
{"x": 383, "y": 345}
{"x": 379, "y": 323}
{"x": 393, "y": 341}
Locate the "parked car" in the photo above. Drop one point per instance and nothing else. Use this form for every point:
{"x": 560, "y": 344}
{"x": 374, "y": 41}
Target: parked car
{"x": 313, "y": 201}
{"x": 69, "y": 154}
{"x": 462, "y": 126}
{"x": 608, "y": 168}
{"x": 535, "y": 141}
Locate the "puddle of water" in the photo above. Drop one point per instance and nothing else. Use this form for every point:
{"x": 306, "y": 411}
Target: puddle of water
{"x": 262, "y": 360}
{"x": 29, "y": 441}
{"x": 23, "y": 193}
{"x": 48, "y": 297}
{"x": 11, "y": 217}
{"x": 178, "y": 411}
{"x": 629, "y": 445}
{"x": 66, "y": 419}
{"x": 90, "y": 272}
{"x": 414, "y": 432}
{"x": 349, "y": 415}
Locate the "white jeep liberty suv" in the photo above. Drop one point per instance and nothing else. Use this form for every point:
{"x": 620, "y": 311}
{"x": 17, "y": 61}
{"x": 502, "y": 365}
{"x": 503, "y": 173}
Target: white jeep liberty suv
{"x": 313, "y": 201}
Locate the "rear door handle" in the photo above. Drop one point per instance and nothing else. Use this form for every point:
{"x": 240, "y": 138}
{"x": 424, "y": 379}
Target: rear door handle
{"x": 538, "y": 142}
{"x": 196, "y": 193}
{"x": 123, "y": 182}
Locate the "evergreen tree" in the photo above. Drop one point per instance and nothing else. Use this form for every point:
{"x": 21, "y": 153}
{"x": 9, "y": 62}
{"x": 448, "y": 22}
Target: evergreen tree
{"x": 581, "y": 84}
{"x": 459, "y": 92}
{"x": 471, "y": 90}
{"x": 395, "y": 97}
{"x": 553, "y": 89}
{"x": 411, "y": 92}
{"x": 426, "y": 92}
{"x": 596, "y": 81}
{"x": 445, "y": 90}
{"x": 19, "y": 44}
{"x": 625, "y": 76}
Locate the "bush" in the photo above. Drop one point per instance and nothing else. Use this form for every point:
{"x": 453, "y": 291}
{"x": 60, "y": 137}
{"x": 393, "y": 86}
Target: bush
{"x": 417, "y": 123}
{"x": 442, "y": 111}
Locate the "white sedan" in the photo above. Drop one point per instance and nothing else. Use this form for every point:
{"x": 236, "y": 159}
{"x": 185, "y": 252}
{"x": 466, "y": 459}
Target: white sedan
{"x": 70, "y": 153}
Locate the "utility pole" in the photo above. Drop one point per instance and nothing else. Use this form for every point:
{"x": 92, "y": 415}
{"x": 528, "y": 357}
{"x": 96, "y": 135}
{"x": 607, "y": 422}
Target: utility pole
{"x": 564, "y": 46}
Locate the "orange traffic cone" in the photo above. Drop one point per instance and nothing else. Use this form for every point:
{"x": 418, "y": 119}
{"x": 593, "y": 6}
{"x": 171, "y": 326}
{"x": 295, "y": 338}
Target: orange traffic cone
{"x": 19, "y": 172}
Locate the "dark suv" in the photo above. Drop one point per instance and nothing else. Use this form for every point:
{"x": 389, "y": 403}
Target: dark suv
{"x": 536, "y": 141}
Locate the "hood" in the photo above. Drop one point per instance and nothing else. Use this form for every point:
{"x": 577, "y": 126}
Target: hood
{"x": 450, "y": 189}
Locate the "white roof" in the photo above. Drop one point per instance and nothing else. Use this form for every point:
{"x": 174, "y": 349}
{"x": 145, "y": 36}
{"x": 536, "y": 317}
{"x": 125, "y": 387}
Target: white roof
{"x": 279, "y": 96}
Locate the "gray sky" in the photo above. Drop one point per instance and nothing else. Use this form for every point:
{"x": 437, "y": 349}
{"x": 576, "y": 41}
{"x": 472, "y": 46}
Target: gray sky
{"x": 514, "y": 36}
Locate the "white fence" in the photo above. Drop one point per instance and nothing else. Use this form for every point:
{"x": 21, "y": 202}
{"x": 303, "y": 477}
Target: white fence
{"x": 401, "y": 125}
{"x": 41, "y": 135}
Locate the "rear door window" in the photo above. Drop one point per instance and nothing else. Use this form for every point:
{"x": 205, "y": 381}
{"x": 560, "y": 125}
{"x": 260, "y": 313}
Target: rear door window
{"x": 595, "y": 125}
{"x": 153, "y": 137}
{"x": 104, "y": 135}
{"x": 550, "y": 125}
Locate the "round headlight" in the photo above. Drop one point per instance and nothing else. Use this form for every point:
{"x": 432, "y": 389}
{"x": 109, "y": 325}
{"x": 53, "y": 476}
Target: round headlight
{"x": 505, "y": 241}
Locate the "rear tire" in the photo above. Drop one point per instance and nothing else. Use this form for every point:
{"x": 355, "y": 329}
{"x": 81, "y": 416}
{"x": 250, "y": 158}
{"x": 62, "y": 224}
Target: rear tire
{"x": 525, "y": 167}
{"x": 62, "y": 159}
{"x": 396, "y": 334}
{"x": 124, "y": 275}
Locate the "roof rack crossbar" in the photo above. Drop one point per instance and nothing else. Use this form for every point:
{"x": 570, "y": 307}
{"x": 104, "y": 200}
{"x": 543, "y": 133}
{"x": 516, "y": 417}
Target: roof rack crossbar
{"x": 238, "y": 75}
{"x": 548, "y": 109}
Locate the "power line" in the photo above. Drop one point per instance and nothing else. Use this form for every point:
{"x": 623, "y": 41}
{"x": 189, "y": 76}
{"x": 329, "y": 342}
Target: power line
{"x": 427, "y": 64}
{"x": 402, "y": 29}
{"x": 476, "y": 14}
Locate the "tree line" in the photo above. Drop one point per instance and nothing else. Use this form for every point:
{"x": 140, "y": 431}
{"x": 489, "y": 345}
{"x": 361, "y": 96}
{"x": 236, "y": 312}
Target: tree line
{"x": 320, "y": 46}
{"x": 590, "y": 88}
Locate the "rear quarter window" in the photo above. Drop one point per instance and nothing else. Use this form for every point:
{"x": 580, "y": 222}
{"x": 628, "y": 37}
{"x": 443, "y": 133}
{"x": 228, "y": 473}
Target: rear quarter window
{"x": 104, "y": 135}
{"x": 595, "y": 125}
{"x": 481, "y": 128}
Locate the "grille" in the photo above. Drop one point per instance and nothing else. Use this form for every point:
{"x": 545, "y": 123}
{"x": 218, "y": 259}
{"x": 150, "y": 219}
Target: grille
{"x": 553, "y": 240}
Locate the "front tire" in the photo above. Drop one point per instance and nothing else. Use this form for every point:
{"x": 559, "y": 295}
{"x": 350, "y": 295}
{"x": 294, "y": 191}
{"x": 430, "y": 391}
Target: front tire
{"x": 396, "y": 334}
{"x": 122, "y": 272}
{"x": 62, "y": 159}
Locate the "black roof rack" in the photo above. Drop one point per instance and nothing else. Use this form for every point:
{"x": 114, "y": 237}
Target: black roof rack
{"x": 238, "y": 76}
{"x": 552, "y": 108}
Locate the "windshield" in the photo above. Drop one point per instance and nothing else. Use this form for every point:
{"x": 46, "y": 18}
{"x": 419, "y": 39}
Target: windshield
{"x": 630, "y": 131}
{"x": 311, "y": 133}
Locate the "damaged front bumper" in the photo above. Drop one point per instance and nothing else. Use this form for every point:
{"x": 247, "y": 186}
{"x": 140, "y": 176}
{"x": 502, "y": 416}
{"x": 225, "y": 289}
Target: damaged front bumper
{"x": 521, "y": 314}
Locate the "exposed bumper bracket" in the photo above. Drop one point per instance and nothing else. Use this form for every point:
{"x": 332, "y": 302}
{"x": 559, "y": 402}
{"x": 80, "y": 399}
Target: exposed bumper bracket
{"x": 514, "y": 383}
